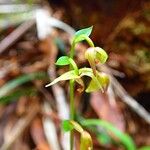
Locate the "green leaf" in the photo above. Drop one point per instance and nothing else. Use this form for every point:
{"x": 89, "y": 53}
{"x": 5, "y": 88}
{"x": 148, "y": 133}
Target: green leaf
{"x": 66, "y": 76}
{"x": 16, "y": 94}
{"x": 65, "y": 60}
{"x": 86, "y": 72}
{"x": 94, "y": 85}
{"x": 9, "y": 86}
{"x": 85, "y": 31}
{"x": 86, "y": 141}
{"x": 145, "y": 148}
{"x": 125, "y": 139}
{"x": 83, "y": 34}
{"x": 103, "y": 138}
{"x": 101, "y": 55}
{"x": 67, "y": 126}
{"x": 62, "y": 61}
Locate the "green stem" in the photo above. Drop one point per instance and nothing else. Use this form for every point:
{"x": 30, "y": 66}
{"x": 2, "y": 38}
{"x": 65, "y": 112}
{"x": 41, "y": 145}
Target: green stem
{"x": 89, "y": 41}
{"x": 74, "y": 66}
{"x": 72, "y": 99}
{"x": 72, "y": 50}
{"x": 72, "y": 110}
{"x": 72, "y": 83}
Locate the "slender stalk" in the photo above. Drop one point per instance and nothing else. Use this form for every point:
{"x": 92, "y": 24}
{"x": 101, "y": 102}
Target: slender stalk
{"x": 71, "y": 84}
{"x": 89, "y": 41}
{"x": 72, "y": 50}
{"x": 72, "y": 110}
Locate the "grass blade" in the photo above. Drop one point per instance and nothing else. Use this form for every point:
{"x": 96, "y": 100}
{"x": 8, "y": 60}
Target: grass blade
{"x": 16, "y": 94}
{"x": 9, "y": 86}
{"x": 125, "y": 139}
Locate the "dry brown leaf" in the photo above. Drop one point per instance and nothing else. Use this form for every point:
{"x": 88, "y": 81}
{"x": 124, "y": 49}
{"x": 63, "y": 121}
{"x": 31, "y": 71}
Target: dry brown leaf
{"x": 109, "y": 112}
{"x": 38, "y": 136}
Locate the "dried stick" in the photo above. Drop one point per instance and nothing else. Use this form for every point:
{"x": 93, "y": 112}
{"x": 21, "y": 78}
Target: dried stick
{"x": 122, "y": 93}
{"x": 15, "y": 35}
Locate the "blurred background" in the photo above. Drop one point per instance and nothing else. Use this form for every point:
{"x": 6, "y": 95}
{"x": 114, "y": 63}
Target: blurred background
{"x": 34, "y": 33}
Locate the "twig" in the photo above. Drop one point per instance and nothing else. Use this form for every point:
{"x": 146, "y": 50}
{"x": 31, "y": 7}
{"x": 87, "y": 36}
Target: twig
{"x": 15, "y": 35}
{"x": 6, "y": 69}
{"x": 139, "y": 109}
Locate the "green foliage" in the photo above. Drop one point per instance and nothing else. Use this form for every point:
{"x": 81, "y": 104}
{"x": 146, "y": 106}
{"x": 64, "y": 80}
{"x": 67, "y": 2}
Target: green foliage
{"x": 145, "y": 148}
{"x": 85, "y": 140}
{"x": 9, "y": 86}
{"x": 103, "y": 138}
{"x": 124, "y": 139}
{"x": 13, "y": 96}
{"x": 101, "y": 134}
{"x": 68, "y": 125}
{"x": 86, "y": 72}
{"x": 98, "y": 81}
{"x": 62, "y": 61}
{"x": 70, "y": 75}
{"x": 83, "y": 34}
{"x": 85, "y": 31}
{"x": 65, "y": 60}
